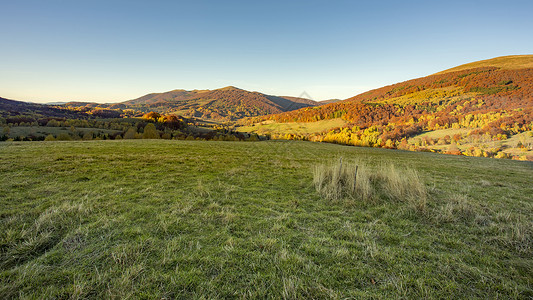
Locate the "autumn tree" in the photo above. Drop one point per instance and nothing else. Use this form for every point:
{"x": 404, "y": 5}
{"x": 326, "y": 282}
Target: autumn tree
{"x": 152, "y": 116}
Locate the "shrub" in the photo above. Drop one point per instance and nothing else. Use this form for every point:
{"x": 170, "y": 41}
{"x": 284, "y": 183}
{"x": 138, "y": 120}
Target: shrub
{"x": 502, "y": 154}
{"x": 88, "y": 136}
{"x": 64, "y": 137}
{"x": 130, "y": 133}
{"x": 454, "y": 150}
{"x": 150, "y": 132}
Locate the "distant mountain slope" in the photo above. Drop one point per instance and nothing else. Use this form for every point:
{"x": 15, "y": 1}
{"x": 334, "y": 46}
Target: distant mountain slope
{"x": 229, "y": 103}
{"x": 324, "y": 102}
{"x": 24, "y": 111}
{"x": 17, "y": 112}
{"x": 301, "y": 100}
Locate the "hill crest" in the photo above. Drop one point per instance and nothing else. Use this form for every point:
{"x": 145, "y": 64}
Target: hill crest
{"x": 509, "y": 62}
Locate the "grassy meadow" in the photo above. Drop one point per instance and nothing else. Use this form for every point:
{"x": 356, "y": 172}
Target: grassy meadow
{"x": 510, "y": 145}
{"x": 209, "y": 220}
{"x": 270, "y": 127}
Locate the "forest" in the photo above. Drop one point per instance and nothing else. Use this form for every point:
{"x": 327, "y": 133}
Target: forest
{"x": 151, "y": 125}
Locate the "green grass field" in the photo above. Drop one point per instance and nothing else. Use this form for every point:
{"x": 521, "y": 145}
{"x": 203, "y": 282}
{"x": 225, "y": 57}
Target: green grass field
{"x": 206, "y": 220}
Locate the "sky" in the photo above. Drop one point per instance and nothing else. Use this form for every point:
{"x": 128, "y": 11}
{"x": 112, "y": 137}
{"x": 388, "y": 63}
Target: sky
{"x": 112, "y": 51}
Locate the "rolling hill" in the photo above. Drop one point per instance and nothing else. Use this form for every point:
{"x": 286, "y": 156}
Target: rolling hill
{"x": 491, "y": 99}
{"x": 229, "y": 103}
{"x": 225, "y": 104}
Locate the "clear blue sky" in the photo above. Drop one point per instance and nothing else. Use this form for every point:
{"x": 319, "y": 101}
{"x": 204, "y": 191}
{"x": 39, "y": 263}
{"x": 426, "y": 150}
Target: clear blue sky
{"x": 110, "y": 51}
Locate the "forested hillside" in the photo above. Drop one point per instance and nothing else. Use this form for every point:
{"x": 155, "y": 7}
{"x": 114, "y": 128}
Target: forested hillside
{"x": 493, "y": 102}
{"x": 12, "y": 111}
{"x": 225, "y": 104}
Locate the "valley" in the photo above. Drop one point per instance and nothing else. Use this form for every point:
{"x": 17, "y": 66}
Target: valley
{"x": 278, "y": 150}
{"x": 482, "y": 109}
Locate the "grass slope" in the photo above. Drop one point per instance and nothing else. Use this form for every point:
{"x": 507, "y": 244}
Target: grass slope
{"x": 187, "y": 219}
{"x": 509, "y": 62}
{"x": 445, "y": 95}
{"x": 271, "y": 127}
{"x": 510, "y": 145}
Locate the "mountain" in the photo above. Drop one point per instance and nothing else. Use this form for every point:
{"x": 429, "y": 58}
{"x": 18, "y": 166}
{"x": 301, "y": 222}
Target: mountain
{"x": 229, "y": 103}
{"x": 490, "y": 100}
{"x": 499, "y": 83}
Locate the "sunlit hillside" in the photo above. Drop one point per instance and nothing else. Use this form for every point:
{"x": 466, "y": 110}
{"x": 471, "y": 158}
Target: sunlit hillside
{"x": 485, "y": 101}
{"x": 504, "y": 62}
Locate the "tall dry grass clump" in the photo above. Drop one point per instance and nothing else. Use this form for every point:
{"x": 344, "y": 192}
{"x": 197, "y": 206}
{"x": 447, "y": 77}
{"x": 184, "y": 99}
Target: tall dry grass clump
{"x": 404, "y": 185}
{"x": 338, "y": 181}
{"x": 358, "y": 181}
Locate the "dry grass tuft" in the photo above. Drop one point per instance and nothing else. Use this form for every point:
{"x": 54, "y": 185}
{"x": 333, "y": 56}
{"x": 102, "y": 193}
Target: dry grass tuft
{"x": 404, "y": 185}
{"x": 340, "y": 181}
{"x": 358, "y": 181}
{"x": 457, "y": 208}
{"x": 517, "y": 234}
{"x": 485, "y": 183}
{"x": 521, "y": 236}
